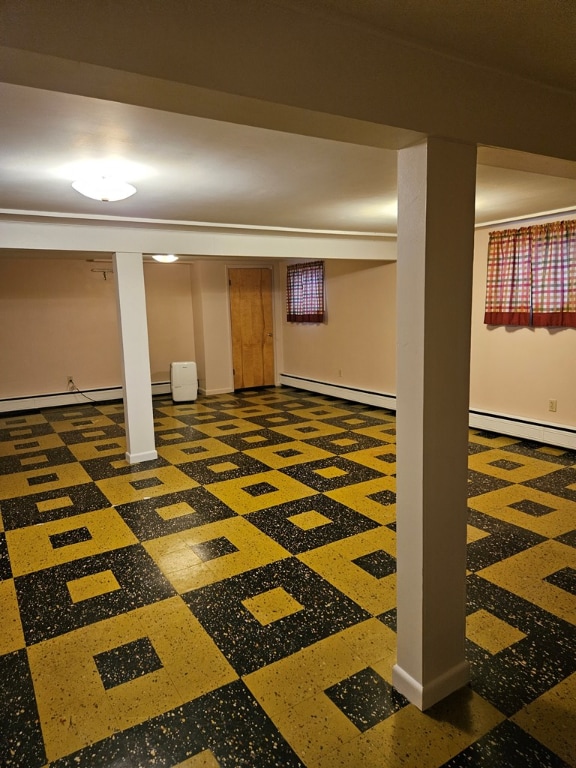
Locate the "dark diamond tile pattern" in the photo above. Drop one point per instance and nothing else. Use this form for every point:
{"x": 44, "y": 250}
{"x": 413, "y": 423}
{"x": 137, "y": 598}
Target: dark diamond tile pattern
{"x": 194, "y": 536}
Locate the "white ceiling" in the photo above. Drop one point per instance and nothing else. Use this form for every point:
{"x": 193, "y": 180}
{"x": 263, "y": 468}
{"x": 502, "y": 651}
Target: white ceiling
{"x": 189, "y": 169}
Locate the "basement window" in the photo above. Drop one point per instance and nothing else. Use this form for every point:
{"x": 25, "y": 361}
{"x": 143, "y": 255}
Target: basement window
{"x": 532, "y": 276}
{"x": 305, "y": 292}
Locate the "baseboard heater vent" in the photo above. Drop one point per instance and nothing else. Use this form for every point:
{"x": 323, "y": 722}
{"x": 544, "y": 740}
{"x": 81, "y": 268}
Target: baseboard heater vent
{"x": 37, "y": 402}
{"x": 560, "y": 435}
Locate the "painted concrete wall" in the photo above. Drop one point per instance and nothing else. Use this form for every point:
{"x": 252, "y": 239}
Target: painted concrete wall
{"x": 58, "y": 318}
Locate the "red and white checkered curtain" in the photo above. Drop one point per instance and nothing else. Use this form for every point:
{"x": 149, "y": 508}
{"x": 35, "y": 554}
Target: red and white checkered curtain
{"x": 305, "y": 292}
{"x": 532, "y": 276}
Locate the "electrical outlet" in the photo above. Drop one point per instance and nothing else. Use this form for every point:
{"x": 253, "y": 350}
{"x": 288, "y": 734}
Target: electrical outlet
{"x": 70, "y": 382}
{"x": 552, "y": 405}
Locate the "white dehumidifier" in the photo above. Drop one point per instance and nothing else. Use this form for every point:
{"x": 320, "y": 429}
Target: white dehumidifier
{"x": 184, "y": 382}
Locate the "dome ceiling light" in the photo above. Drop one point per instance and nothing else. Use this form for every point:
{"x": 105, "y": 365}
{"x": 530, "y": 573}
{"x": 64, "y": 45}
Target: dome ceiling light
{"x": 104, "y": 188}
{"x": 165, "y": 258}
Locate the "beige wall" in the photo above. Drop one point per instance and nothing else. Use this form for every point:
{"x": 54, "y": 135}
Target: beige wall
{"x": 513, "y": 372}
{"x": 58, "y": 318}
{"x": 516, "y": 371}
{"x": 355, "y": 347}
{"x": 170, "y": 316}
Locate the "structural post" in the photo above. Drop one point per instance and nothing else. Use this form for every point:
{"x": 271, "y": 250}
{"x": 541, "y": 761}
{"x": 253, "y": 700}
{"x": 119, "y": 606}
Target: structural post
{"x": 131, "y": 302}
{"x": 436, "y": 190}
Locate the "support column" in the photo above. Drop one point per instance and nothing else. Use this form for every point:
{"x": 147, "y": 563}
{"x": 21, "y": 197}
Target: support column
{"x": 436, "y": 190}
{"x": 131, "y": 302}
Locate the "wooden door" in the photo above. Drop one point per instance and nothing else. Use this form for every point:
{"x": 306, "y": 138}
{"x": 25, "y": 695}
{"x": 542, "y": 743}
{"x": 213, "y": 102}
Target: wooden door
{"x": 251, "y": 318}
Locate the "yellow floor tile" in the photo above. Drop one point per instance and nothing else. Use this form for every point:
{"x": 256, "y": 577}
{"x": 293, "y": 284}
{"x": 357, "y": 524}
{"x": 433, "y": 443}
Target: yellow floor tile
{"x": 31, "y": 550}
{"x": 490, "y": 632}
{"x": 176, "y": 454}
{"x": 118, "y": 490}
{"x": 83, "y": 424}
{"x": 18, "y": 485}
{"x": 523, "y": 575}
{"x": 498, "y": 441}
{"x": 474, "y": 534}
{"x": 555, "y": 523}
{"x": 320, "y": 412}
{"x": 11, "y": 635}
{"x": 285, "y": 684}
{"x": 227, "y": 427}
{"x": 32, "y": 445}
{"x": 93, "y": 585}
{"x": 318, "y": 429}
{"x": 369, "y": 457}
{"x": 271, "y": 606}
{"x": 185, "y": 570}
{"x": 203, "y": 759}
{"x": 413, "y": 738}
{"x": 529, "y": 470}
{"x": 233, "y": 493}
{"x": 92, "y": 450}
{"x": 552, "y": 719}
{"x": 307, "y": 521}
{"x": 250, "y": 411}
{"x": 270, "y": 454}
{"x": 334, "y": 563}
{"x": 357, "y": 497}
{"x": 74, "y": 707}
{"x": 20, "y": 421}
{"x": 379, "y": 431}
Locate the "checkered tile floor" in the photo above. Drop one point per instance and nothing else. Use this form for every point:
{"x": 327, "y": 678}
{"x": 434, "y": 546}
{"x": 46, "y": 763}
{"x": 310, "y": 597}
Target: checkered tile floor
{"x": 233, "y": 602}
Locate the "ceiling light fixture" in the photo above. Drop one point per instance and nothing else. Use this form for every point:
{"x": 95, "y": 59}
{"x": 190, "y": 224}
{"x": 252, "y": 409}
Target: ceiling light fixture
{"x": 104, "y": 188}
{"x": 165, "y": 258}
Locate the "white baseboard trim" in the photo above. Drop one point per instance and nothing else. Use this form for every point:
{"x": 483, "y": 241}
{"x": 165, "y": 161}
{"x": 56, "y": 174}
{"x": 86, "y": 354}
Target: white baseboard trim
{"x": 548, "y": 434}
{"x": 377, "y": 399}
{"x": 36, "y": 402}
{"x": 224, "y": 391}
{"x": 425, "y": 696}
{"x": 136, "y": 458}
{"x": 561, "y": 435}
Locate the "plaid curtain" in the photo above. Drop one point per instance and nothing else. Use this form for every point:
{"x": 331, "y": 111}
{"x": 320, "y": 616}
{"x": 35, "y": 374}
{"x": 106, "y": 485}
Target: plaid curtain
{"x": 532, "y": 276}
{"x": 554, "y": 274}
{"x": 305, "y": 292}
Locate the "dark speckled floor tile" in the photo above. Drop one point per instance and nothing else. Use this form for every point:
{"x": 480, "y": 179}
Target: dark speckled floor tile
{"x": 227, "y": 724}
{"x": 50, "y": 457}
{"x": 218, "y": 468}
{"x": 5, "y": 567}
{"x": 112, "y": 466}
{"x": 302, "y": 525}
{"x": 535, "y": 450}
{"x": 329, "y": 474}
{"x": 366, "y": 698}
{"x": 60, "y": 599}
{"x": 247, "y": 643}
{"x": 163, "y": 515}
{"x": 92, "y": 432}
{"x": 22, "y": 432}
{"x": 479, "y": 483}
{"x": 506, "y": 746}
{"x": 21, "y": 742}
{"x": 256, "y": 439}
{"x": 127, "y": 662}
{"x": 259, "y": 602}
{"x": 378, "y": 563}
{"x": 345, "y": 442}
{"x": 51, "y": 505}
{"x": 565, "y": 579}
{"x": 561, "y": 483}
{"x": 504, "y": 540}
{"x": 523, "y": 671}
